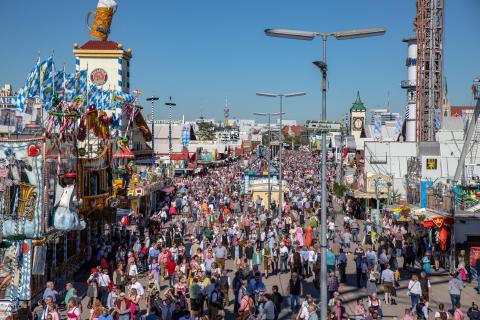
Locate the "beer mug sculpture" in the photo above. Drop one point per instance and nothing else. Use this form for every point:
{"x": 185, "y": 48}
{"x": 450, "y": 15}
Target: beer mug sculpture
{"x": 102, "y": 19}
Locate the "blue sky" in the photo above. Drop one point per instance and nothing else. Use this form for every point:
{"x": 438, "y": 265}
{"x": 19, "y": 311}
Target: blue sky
{"x": 198, "y": 52}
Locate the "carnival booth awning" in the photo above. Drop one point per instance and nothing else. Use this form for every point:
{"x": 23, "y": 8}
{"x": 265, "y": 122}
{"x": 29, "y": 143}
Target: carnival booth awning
{"x": 436, "y": 221}
{"x": 401, "y": 213}
{"x": 432, "y": 218}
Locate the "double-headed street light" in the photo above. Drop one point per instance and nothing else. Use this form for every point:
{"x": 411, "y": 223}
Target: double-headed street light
{"x": 269, "y": 156}
{"x": 170, "y": 104}
{"x": 280, "y": 178}
{"x": 322, "y": 65}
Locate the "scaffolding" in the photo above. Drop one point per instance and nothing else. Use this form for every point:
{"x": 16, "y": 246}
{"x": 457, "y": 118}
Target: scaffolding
{"x": 429, "y": 25}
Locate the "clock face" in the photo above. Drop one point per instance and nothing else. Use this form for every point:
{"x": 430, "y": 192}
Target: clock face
{"x": 358, "y": 123}
{"x": 99, "y": 76}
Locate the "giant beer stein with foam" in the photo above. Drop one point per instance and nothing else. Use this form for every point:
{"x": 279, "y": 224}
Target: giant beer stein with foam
{"x": 102, "y": 19}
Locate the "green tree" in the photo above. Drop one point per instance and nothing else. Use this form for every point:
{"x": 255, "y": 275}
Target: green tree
{"x": 206, "y": 131}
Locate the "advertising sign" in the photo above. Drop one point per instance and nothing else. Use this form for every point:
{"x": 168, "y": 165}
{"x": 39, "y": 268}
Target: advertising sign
{"x": 380, "y": 181}
{"x": 474, "y": 254}
{"x": 432, "y": 164}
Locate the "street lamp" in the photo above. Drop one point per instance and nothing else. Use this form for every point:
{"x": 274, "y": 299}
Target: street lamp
{"x": 269, "y": 157}
{"x": 170, "y": 104}
{"x": 152, "y": 99}
{"x": 322, "y": 65}
{"x": 280, "y": 178}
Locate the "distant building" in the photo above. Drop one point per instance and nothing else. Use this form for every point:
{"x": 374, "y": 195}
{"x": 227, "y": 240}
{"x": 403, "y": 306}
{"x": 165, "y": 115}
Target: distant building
{"x": 384, "y": 114}
{"x": 228, "y": 134}
{"x": 293, "y": 131}
{"x": 11, "y": 120}
{"x": 459, "y": 111}
{"x": 286, "y": 122}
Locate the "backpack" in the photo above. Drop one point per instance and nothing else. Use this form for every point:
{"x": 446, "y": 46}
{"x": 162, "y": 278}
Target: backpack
{"x": 297, "y": 260}
{"x": 219, "y": 302}
{"x": 419, "y": 310}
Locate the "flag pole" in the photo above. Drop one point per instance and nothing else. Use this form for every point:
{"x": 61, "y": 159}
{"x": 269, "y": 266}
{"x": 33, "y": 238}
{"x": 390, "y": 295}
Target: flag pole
{"x": 86, "y": 122}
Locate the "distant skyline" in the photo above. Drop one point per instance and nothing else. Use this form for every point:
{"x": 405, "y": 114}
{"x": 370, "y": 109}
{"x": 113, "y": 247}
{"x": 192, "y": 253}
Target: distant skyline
{"x": 199, "y": 52}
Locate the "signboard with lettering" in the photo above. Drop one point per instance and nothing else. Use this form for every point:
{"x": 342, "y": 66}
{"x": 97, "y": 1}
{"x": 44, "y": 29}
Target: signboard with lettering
{"x": 328, "y": 126}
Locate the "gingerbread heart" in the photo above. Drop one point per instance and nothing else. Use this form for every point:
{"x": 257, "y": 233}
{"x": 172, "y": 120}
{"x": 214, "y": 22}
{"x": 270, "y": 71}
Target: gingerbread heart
{"x": 33, "y": 150}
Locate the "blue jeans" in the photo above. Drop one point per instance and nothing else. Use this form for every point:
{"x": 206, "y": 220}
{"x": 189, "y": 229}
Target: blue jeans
{"x": 104, "y": 296}
{"x": 398, "y": 252}
{"x": 474, "y": 273}
{"x": 370, "y": 262}
{"x": 414, "y": 298}
{"x": 355, "y": 236}
{"x": 294, "y": 303}
{"x": 455, "y": 298}
{"x": 283, "y": 264}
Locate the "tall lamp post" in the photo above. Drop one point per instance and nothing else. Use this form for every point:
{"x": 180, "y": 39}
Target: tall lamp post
{"x": 322, "y": 65}
{"x": 152, "y": 99}
{"x": 170, "y": 104}
{"x": 280, "y": 177}
{"x": 269, "y": 157}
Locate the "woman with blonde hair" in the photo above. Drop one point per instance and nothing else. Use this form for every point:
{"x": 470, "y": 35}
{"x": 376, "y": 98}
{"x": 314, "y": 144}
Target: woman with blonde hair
{"x": 96, "y": 311}
{"x": 134, "y": 302}
{"x": 414, "y": 291}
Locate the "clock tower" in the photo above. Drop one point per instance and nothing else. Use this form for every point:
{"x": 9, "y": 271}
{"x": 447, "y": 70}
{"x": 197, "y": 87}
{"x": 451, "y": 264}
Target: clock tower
{"x": 357, "y": 117}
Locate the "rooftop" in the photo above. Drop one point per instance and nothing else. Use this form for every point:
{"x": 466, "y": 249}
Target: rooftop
{"x": 429, "y": 148}
{"x": 101, "y": 45}
{"x": 358, "y": 104}
{"x": 456, "y": 111}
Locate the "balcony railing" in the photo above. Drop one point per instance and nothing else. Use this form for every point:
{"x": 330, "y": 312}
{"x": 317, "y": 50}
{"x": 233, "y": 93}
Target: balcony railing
{"x": 408, "y": 84}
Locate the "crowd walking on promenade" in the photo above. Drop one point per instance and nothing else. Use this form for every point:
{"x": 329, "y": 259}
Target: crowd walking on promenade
{"x": 209, "y": 251}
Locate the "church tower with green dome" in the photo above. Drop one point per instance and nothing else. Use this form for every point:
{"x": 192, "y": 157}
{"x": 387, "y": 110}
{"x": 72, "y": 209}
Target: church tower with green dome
{"x": 357, "y": 117}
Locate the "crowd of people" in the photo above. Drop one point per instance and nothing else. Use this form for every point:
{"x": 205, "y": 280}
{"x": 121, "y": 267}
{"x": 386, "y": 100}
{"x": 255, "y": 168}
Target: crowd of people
{"x": 210, "y": 250}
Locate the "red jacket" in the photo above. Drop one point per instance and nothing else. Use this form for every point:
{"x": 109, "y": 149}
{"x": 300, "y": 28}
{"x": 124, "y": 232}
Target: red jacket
{"x": 127, "y": 303}
{"x": 170, "y": 267}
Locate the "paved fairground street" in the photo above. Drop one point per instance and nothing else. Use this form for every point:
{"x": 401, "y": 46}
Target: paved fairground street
{"x": 204, "y": 160}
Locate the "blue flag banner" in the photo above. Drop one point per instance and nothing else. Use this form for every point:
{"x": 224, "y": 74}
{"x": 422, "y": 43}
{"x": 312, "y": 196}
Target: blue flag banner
{"x": 19, "y": 100}
{"x": 398, "y": 125}
{"x": 32, "y": 84}
{"x": 437, "y": 119}
{"x": 377, "y": 126}
{"x": 186, "y": 135}
{"x": 46, "y": 70}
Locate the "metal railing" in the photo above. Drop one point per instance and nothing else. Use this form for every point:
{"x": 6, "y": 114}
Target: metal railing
{"x": 408, "y": 83}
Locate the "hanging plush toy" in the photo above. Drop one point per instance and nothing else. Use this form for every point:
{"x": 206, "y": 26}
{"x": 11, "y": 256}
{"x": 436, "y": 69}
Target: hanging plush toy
{"x": 66, "y": 215}
{"x": 82, "y": 130}
{"x": 443, "y": 238}
{"x": 91, "y": 117}
{"x": 102, "y": 125}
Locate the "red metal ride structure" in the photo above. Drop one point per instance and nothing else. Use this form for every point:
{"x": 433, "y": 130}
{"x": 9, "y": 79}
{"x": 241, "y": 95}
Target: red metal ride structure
{"x": 429, "y": 25}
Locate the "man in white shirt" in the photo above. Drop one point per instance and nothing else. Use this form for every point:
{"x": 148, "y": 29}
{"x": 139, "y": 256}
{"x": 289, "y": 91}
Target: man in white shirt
{"x": 331, "y": 229}
{"x": 138, "y": 286}
{"x": 283, "y": 258}
{"x": 103, "y": 281}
